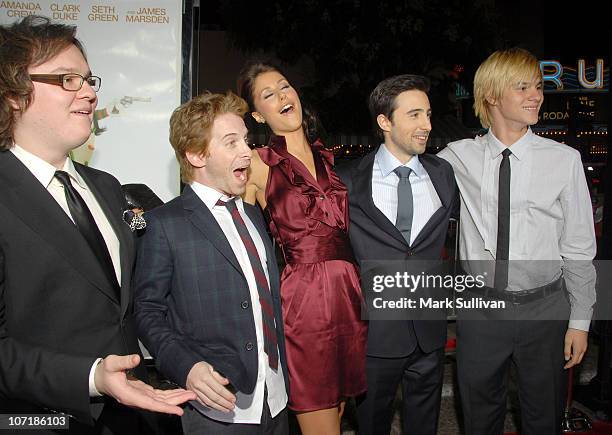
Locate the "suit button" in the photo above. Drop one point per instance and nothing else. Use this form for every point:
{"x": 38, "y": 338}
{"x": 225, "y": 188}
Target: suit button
{"x": 244, "y": 305}
{"x": 321, "y": 196}
{"x": 409, "y": 252}
{"x": 249, "y": 346}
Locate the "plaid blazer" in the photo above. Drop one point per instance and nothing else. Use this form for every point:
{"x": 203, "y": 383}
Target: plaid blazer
{"x": 191, "y": 298}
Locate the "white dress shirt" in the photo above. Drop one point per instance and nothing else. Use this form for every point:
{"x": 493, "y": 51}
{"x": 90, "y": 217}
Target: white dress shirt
{"x": 44, "y": 172}
{"x": 551, "y": 219}
{"x": 425, "y": 199}
{"x": 248, "y": 407}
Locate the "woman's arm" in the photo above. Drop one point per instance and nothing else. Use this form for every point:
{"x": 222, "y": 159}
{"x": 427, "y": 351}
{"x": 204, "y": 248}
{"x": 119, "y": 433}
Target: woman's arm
{"x": 256, "y": 185}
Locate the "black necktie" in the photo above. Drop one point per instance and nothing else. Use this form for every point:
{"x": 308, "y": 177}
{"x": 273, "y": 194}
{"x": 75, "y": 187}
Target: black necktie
{"x": 88, "y": 228}
{"x": 403, "y": 222}
{"x": 503, "y": 223}
{"x": 263, "y": 289}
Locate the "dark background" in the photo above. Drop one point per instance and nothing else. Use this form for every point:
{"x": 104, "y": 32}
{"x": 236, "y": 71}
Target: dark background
{"x": 336, "y": 51}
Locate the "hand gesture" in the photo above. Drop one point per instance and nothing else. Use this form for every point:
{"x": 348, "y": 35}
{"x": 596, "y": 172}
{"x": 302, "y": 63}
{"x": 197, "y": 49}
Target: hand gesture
{"x": 111, "y": 378}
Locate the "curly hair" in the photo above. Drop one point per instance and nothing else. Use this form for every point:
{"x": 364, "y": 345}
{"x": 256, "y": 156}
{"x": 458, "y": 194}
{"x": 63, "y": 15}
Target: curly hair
{"x": 191, "y": 125}
{"x": 24, "y": 44}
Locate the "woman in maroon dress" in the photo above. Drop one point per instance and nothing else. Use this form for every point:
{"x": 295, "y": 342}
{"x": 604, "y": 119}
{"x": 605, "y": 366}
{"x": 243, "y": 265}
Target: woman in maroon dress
{"x": 306, "y": 206}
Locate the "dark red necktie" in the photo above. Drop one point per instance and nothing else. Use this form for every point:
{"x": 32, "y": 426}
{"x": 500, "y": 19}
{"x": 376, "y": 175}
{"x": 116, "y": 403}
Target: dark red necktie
{"x": 265, "y": 297}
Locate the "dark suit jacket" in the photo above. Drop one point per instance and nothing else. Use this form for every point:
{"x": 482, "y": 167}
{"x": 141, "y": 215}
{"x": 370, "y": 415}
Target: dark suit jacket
{"x": 374, "y": 238}
{"x": 192, "y": 301}
{"x": 58, "y": 311}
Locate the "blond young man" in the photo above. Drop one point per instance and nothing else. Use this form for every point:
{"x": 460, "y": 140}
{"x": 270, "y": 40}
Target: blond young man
{"x": 526, "y": 224}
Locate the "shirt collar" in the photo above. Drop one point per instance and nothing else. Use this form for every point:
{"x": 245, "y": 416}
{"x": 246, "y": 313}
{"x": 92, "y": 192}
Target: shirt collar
{"x": 387, "y": 162}
{"x": 44, "y": 171}
{"x": 518, "y": 148}
{"x": 210, "y": 196}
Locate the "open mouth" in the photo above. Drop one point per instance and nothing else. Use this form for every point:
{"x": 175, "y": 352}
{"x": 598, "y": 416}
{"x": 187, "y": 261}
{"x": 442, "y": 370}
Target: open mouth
{"x": 287, "y": 108}
{"x": 241, "y": 173}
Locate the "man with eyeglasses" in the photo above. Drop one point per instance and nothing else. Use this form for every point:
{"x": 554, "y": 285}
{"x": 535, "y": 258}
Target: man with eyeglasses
{"x": 69, "y": 81}
{"x": 67, "y": 341}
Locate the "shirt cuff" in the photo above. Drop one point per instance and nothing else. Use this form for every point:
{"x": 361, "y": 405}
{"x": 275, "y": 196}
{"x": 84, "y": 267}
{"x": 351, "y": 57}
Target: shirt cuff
{"x": 580, "y": 317}
{"x": 93, "y": 391}
{"x": 582, "y": 325}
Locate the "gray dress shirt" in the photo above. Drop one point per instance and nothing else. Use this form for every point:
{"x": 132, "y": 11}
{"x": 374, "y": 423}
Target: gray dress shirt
{"x": 551, "y": 220}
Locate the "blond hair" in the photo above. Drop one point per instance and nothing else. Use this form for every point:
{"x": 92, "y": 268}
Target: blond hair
{"x": 191, "y": 125}
{"x": 501, "y": 70}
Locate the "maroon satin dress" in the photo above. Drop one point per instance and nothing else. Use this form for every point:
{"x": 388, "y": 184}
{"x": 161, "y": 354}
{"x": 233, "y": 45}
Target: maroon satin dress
{"x": 320, "y": 290}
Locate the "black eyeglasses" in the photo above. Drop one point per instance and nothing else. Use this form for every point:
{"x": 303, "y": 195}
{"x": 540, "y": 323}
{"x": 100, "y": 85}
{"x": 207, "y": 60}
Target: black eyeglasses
{"x": 69, "y": 81}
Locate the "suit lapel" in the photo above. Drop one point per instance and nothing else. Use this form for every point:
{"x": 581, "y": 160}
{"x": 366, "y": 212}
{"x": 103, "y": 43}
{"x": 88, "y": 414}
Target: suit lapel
{"x": 201, "y": 217}
{"x": 438, "y": 179}
{"x": 32, "y": 203}
{"x": 251, "y": 212}
{"x": 114, "y": 213}
{"x": 362, "y": 184}
{"x": 440, "y": 183}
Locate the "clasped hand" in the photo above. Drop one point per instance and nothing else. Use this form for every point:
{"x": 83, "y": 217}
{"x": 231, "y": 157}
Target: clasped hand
{"x": 210, "y": 387}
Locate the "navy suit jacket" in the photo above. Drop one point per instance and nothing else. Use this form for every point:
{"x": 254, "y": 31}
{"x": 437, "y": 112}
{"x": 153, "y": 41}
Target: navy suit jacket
{"x": 192, "y": 301}
{"x": 375, "y": 239}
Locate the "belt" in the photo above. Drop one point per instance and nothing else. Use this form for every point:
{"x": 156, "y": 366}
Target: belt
{"x": 334, "y": 246}
{"x": 522, "y": 296}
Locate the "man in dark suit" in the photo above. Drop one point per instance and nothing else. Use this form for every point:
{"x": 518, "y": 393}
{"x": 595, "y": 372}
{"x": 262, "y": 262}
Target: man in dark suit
{"x": 66, "y": 255}
{"x": 400, "y": 204}
{"x": 207, "y": 300}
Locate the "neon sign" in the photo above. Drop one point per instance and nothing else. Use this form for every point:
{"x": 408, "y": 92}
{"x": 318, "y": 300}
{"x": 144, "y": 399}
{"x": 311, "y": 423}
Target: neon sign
{"x": 583, "y": 78}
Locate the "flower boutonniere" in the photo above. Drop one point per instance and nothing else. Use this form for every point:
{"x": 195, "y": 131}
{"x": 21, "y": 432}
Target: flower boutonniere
{"x": 133, "y": 217}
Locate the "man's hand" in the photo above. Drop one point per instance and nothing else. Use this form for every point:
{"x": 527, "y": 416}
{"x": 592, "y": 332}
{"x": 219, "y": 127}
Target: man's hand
{"x": 209, "y": 385}
{"x": 575, "y": 346}
{"x": 111, "y": 378}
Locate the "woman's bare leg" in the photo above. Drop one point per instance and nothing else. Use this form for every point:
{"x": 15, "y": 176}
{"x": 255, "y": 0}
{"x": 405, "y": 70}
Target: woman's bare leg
{"x": 320, "y": 422}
